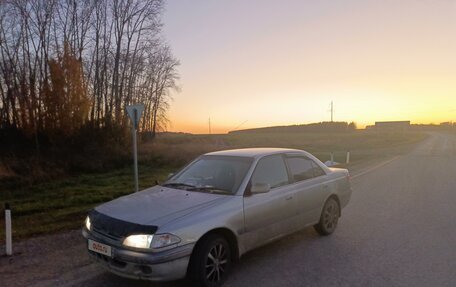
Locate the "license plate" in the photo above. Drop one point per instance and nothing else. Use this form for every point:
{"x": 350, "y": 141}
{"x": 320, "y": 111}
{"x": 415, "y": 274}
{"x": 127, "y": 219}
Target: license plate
{"x": 100, "y": 248}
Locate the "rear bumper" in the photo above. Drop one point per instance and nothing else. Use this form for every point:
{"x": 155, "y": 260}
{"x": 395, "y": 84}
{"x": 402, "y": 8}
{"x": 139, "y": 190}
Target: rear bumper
{"x": 157, "y": 266}
{"x": 346, "y": 198}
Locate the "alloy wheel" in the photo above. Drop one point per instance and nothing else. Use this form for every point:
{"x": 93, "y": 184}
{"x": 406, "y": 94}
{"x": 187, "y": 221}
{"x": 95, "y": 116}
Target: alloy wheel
{"x": 331, "y": 215}
{"x": 216, "y": 263}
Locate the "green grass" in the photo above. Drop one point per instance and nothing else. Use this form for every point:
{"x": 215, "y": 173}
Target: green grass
{"x": 62, "y": 204}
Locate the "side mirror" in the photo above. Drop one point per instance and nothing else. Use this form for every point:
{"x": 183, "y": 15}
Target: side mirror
{"x": 260, "y": 187}
{"x": 170, "y": 175}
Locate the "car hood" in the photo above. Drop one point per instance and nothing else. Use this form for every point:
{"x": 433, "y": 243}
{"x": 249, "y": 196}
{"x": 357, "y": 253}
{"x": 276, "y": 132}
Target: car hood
{"x": 158, "y": 205}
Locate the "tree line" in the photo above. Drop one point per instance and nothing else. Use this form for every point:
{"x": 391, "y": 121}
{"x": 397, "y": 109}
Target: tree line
{"x": 68, "y": 64}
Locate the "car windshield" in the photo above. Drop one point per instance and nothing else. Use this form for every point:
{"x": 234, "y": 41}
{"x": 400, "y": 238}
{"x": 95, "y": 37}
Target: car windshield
{"x": 215, "y": 174}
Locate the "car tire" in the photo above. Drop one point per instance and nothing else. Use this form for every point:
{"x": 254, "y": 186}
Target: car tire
{"x": 329, "y": 217}
{"x": 210, "y": 262}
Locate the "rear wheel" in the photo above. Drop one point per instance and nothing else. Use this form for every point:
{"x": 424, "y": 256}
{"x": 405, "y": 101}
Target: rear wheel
{"x": 329, "y": 217}
{"x": 211, "y": 262}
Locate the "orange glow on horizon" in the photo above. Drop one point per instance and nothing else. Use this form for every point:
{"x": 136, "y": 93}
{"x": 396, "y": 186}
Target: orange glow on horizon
{"x": 378, "y": 61}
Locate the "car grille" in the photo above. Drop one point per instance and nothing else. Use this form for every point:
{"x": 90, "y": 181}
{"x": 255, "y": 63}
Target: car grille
{"x": 106, "y": 233}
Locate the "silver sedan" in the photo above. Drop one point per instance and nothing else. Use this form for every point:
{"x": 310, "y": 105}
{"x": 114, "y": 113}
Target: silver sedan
{"x": 213, "y": 211}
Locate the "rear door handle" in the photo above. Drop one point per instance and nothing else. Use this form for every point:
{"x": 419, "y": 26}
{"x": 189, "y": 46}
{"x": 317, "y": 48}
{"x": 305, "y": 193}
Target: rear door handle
{"x": 290, "y": 197}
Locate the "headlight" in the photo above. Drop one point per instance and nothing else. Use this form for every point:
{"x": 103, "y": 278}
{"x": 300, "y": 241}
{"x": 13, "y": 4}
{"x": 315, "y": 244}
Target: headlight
{"x": 151, "y": 241}
{"x": 164, "y": 240}
{"x": 138, "y": 241}
{"x": 88, "y": 225}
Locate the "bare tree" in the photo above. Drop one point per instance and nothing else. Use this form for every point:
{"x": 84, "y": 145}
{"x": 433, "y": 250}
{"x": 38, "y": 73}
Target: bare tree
{"x": 58, "y": 55}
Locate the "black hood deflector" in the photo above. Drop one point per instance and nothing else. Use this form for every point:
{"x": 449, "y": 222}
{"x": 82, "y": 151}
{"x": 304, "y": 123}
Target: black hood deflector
{"x": 117, "y": 228}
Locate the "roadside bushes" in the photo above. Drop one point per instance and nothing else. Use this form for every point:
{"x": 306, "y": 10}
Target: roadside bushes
{"x": 53, "y": 155}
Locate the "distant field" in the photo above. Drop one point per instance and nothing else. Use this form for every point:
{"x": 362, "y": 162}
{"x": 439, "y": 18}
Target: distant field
{"x": 62, "y": 204}
{"x": 362, "y": 144}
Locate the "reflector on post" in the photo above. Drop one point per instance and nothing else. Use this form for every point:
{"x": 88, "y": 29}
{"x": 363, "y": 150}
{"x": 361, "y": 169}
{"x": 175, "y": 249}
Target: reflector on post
{"x": 9, "y": 240}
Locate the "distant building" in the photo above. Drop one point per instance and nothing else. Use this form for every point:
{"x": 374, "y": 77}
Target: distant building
{"x": 393, "y": 125}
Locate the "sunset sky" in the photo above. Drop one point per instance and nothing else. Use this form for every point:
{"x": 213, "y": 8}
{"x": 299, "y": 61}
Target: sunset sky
{"x": 263, "y": 63}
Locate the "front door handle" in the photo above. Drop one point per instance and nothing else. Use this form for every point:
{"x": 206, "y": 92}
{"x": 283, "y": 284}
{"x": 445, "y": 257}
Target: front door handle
{"x": 290, "y": 197}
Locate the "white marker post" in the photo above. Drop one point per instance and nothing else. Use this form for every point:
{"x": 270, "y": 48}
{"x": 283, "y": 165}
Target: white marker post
{"x": 9, "y": 241}
{"x": 348, "y": 157}
{"x": 332, "y": 158}
{"x": 135, "y": 112}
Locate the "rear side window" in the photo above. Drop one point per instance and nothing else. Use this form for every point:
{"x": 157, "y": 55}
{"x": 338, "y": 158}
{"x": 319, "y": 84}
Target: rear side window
{"x": 270, "y": 170}
{"x": 301, "y": 168}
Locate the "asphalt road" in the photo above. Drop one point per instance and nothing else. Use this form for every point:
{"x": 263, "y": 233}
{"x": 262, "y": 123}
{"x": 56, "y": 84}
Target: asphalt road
{"x": 398, "y": 230}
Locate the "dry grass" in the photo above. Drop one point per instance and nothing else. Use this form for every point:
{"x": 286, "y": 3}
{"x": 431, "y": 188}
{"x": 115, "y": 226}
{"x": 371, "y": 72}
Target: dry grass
{"x": 362, "y": 144}
{"x": 61, "y": 204}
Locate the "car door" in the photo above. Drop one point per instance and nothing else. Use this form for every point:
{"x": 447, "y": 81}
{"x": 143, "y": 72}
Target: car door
{"x": 309, "y": 182}
{"x": 269, "y": 215}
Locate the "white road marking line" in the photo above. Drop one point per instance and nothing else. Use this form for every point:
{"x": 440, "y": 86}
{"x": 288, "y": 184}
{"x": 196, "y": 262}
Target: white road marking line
{"x": 375, "y": 167}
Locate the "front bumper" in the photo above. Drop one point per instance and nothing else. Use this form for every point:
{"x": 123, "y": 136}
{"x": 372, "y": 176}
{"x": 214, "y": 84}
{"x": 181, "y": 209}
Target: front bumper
{"x": 155, "y": 266}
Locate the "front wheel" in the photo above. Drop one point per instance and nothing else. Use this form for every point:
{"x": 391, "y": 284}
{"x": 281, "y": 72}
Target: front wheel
{"x": 211, "y": 262}
{"x": 329, "y": 217}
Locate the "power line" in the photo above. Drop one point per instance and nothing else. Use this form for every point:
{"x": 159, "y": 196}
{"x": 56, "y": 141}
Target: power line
{"x": 240, "y": 125}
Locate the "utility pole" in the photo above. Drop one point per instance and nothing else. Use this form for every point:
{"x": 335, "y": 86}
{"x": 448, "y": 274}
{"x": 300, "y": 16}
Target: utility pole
{"x": 332, "y": 112}
{"x": 209, "y": 125}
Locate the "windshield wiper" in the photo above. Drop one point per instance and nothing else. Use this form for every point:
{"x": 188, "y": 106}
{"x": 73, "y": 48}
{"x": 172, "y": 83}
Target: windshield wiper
{"x": 210, "y": 189}
{"x": 178, "y": 184}
{"x": 189, "y": 187}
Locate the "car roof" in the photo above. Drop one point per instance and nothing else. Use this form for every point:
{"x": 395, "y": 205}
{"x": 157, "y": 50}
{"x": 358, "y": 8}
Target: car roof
{"x": 253, "y": 152}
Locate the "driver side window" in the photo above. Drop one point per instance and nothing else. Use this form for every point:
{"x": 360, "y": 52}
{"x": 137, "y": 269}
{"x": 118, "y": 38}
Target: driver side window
{"x": 270, "y": 170}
